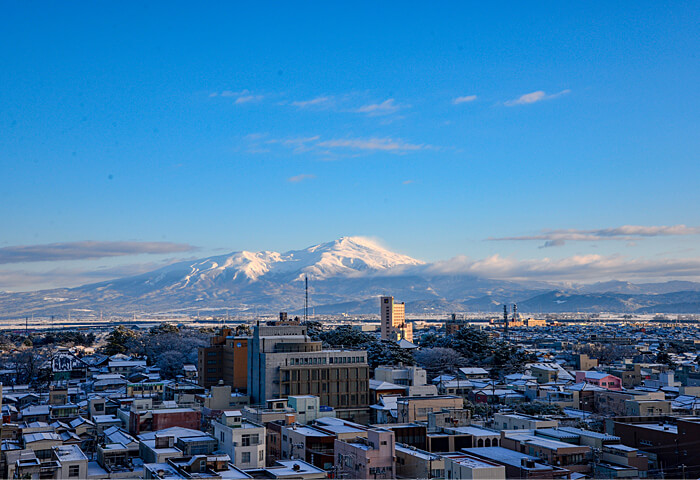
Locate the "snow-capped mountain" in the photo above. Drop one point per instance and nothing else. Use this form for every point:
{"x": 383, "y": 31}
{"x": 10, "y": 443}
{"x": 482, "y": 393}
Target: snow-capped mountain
{"x": 348, "y": 256}
{"x": 346, "y": 275}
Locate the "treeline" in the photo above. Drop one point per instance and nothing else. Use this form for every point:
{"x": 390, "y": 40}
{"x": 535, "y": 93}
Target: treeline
{"x": 59, "y": 338}
{"x": 469, "y": 347}
{"x": 379, "y": 352}
{"x": 165, "y": 346}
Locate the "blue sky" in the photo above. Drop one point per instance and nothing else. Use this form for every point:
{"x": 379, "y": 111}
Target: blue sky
{"x": 435, "y": 128}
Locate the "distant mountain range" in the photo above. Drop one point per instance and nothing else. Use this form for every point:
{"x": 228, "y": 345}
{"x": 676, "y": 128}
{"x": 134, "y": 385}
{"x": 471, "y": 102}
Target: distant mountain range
{"x": 345, "y": 276}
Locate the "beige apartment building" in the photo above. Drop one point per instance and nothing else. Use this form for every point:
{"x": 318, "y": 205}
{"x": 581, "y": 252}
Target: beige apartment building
{"x": 394, "y": 325}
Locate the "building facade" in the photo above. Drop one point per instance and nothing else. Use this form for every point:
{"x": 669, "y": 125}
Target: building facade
{"x": 226, "y": 358}
{"x": 285, "y": 361}
{"x": 394, "y": 325}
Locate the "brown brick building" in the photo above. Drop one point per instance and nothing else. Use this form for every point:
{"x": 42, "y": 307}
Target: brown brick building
{"x": 226, "y": 358}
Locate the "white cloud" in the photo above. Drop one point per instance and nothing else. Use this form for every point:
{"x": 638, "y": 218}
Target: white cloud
{"x": 301, "y": 178}
{"x": 375, "y": 144}
{"x": 557, "y": 238}
{"x": 574, "y": 268}
{"x": 230, "y": 93}
{"x": 534, "y": 97}
{"x": 241, "y": 96}
{"x": 385, "y": 108}
{"x": 53, "y": 252}
{"x": 336, "y": 146}
{"x": 466, "y": 99}
{"x": 249, "y": 99}
{"x": 314, "y": 102}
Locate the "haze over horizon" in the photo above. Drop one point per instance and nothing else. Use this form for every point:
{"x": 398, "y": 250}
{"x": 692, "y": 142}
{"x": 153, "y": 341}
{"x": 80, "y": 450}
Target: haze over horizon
{"x": 550, "y": 142}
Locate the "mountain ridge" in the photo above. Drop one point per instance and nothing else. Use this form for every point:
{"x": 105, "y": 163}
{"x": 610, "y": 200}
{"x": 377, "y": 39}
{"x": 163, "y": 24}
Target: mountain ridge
{"x": 346, "y": 276}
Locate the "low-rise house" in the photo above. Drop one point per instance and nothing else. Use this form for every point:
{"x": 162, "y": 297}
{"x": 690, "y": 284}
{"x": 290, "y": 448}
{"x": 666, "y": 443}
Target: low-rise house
{"x": 72, "y": 461}
{"x": 457, "y": 438}
{"x": 385, "y": 410}
{"x": 622, "y": 455}
{"x": 614, "y": 402}
{"x": 549, "y": 372}
{"x": 289, "y": 470}
{"x": 472, "y": 373}
{"x": 519, "y": 421}
{"x": 605, "y": 380}
{"x": 519, "y": 465}
{"x": 412, "y": 409}
{"x": 412, "y": 462}
{"x": 311, "y": 444}
{"x": 308, "y": 408}
{"x": 647, "y": 408}
{"x": 159, "y": 419}
{"x": 464, "y": 465}
{"x": 370, "y": 457}
{"x": 41, "y": 444}
{"x": 35, "y": 413}
{"x": 554, "y": 452}
{"x": 103, "y": 422}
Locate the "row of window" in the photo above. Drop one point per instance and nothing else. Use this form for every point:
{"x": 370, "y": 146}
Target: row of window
{"x": 324, "y": 374}
{"x": 322, "y": 360}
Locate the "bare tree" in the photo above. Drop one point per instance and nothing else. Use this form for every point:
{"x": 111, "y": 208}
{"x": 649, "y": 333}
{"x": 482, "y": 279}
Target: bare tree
{"x": 439, "y": 360}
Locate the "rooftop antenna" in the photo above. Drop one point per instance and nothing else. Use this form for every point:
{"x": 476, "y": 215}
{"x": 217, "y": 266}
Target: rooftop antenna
{"x": 306, "y": 299}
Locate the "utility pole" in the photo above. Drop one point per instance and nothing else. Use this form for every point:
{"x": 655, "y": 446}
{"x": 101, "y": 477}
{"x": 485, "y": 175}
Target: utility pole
{"x": 306, "y": 299}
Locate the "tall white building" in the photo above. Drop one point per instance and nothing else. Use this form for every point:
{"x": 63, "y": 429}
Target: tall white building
{"x": 394, "y": 326}
{"x": 242, "y": 440}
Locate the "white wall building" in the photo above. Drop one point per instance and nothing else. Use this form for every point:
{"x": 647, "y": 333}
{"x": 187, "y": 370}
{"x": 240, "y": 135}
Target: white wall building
{"x": 242, "y": 440}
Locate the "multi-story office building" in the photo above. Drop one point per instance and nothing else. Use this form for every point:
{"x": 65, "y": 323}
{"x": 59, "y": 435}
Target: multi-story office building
{"x": 226, "y": 358}
{"x": 284, "y": 361}
{"x": 394, "y": 325}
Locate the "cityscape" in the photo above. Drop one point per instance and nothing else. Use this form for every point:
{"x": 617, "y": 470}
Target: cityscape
{"x": 302, "y": 241}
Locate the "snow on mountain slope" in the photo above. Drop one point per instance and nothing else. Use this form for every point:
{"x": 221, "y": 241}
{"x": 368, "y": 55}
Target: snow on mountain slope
{"x": 348, "y": 256}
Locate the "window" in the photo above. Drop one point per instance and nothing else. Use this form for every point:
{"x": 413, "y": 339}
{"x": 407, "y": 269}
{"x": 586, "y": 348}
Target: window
{"x": 261, "y": 455}
{"x": 248, "y": 440}
{"x": 245, "y": 457}
{"x": 74, "y": 471}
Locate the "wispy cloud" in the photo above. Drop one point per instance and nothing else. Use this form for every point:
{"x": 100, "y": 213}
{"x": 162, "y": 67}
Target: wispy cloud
{"x": 249, "y": 99}
{"x": 466, "y": 99}
{"x": 229, "y": 93}
{"x": 28, "y": 280}
{"x": 407, "y": 182}
{"x": 557, "y": 238}
{"x": 334, "y": 146}
{"x": 241, "y": 96}
{"x": 574, "y": 268}
{"x": 301, "y": 178}
{"x": 85, "y": 250}
{"x": 374, "y": 144}
{"x": 314, "y": 102}
{"x": 384, "y": 108}
{"x": 534, "y": 97}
